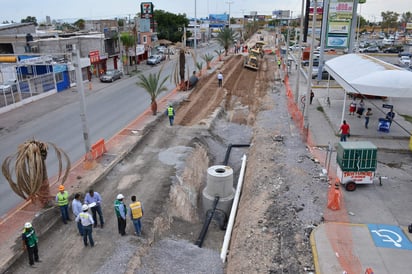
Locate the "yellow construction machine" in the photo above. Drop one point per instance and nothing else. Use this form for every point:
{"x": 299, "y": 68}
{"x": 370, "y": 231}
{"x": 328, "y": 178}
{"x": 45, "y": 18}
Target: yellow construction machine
{"x": 252, "y": 60}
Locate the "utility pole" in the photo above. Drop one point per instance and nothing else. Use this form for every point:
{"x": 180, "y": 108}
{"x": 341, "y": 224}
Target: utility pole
{"x": 195, "y": 32}
{"x": 229, "y": 2}
{"x": 80, "y": 89}
{"x": 353, "y": 25}
{"x": 309, "y": 87}
{"x": 325, "y": 16}
{"x": 302, "y": 16}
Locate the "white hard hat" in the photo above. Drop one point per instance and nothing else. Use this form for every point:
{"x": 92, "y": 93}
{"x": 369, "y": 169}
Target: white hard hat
{"x": 85, "y": 207}
{"x": 120, "y": 196}
{"x": 27, "y": 225}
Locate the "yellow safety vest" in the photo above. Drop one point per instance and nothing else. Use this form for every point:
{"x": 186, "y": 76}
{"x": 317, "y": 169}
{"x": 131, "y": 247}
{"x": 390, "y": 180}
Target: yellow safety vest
{"x": 63, "y": 199}
{"x": 170, "y": 111}
{"x": 136, "y": 209}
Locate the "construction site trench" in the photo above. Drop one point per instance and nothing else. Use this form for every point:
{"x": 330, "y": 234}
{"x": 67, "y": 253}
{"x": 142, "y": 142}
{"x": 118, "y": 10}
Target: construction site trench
{"x": 282, "y": 200}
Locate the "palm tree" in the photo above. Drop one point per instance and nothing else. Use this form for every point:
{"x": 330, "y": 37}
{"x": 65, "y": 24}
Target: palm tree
{"x": 226, "y": 38}
{"x": 219, "y": 53}
{"x": 30, "y": 180}
{"x": 153, "y": 86}
{"x": 199, "y": 66}
{"x": 208, "y": 58}
{"x": 127, "y": 41}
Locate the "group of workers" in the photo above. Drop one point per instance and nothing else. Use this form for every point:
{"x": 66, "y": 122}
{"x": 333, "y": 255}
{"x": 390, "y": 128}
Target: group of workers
{"x": 84, "y": 220}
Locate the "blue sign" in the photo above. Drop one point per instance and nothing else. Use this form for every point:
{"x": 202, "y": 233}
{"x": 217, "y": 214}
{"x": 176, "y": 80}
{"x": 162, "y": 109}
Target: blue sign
{"x": 389, "y": 236}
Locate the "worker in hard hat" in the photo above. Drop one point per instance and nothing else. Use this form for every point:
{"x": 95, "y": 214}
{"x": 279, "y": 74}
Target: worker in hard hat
{"x": 30, "y": 241}
{"x": 121, "y": 212}
{"x": 62, "y": 200}
{"x": 87, "y": 222}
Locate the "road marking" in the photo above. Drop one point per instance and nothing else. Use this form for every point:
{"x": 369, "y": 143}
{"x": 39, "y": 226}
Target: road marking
{"x": 389, "y": 236}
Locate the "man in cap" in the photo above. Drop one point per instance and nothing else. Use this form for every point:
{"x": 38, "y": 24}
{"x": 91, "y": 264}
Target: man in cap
{"x": 30, "y": 243}
{"x": 62, "y": 200}
{"x": 93, "y": 197}
{"x": 121, "y": 212}
{"x": 87, "y": 222}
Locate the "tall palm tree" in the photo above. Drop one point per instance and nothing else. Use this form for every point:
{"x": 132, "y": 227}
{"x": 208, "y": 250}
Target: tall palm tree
{"x": 127, "y": 41}
{"x": 153, "y": 86}
{"x": 226, "y": 38}
{"x": 30, "y": 180}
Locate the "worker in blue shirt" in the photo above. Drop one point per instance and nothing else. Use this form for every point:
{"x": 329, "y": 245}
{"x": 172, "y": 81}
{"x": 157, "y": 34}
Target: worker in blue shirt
{"x": 94, "y": 197}
{"x": 77, "y": 209}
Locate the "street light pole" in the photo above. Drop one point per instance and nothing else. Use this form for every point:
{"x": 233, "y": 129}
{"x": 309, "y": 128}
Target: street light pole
{"x": 195, "y": 41}
{"x": 300, "y": 51}
{"x": 229, "y": 2}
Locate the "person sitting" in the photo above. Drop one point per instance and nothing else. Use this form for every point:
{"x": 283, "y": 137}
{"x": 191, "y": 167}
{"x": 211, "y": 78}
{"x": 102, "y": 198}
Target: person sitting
{"x": 193, "y": 80}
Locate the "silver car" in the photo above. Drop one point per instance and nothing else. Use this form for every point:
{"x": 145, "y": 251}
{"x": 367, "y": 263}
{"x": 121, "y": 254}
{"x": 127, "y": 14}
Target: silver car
{"x": 8, "y": 86}
{"x": 111, "y": 75}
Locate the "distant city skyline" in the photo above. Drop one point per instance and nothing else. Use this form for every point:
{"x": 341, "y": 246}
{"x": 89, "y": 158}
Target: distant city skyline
{"x": 69, "y": 11}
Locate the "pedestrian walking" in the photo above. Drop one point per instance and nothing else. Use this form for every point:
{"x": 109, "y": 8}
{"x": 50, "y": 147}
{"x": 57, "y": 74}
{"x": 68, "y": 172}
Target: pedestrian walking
{"x": 121, "y": 212}
{"x": 136, "y": 213}
{"x": 87, "y": 222}
{"x": 94, "y": 198}
{"x": 62, "y": 200}
{"x": 220, "y": 79}
{"x": 170, "y": 112}
{"x": 344, "y": 131}
{"x": 352, "y": 107}
{"x": 30, "y": 242}
{"x": 361, "y": 108}
{"x": 77, "y": 209}
{"x": 367, "y": 115}
{"x": 279, "y": 63}
{"x": 311, "y": 97}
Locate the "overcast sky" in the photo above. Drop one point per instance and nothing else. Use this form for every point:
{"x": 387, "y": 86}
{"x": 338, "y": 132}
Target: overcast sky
{"x": 70, "y": 10}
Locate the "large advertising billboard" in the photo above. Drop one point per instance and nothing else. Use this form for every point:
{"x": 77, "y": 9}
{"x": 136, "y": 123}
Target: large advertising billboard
{"x": 339, "y": 23}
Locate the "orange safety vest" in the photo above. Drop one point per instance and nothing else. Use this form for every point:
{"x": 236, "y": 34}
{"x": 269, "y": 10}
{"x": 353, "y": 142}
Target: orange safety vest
{"x": 136, "y": 210}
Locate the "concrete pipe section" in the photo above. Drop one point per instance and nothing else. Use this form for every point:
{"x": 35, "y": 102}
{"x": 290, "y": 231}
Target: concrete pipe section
{"x": 219, "y": 183}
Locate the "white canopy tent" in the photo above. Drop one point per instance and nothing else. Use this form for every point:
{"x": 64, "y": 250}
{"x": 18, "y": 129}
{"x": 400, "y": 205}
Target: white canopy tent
{"x": 360, "y": 73}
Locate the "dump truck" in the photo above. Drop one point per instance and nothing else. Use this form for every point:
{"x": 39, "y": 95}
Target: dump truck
{"x": 252, "y": 60}
{"x": 357, "y": 162}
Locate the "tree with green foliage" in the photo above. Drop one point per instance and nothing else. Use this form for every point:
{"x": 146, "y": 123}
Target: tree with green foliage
{"x": 127, "y": 41}
{"x": 208, "y": 58}
{"x": 389, "y": 19}
{"x": 30, "y": 19}
{"x": 170, "y": 26}
{"x": 226, "y": 38}
{"x": 81, "y": 24}
{"x": 153, "y": 86}
{"x": 406, "y": 17}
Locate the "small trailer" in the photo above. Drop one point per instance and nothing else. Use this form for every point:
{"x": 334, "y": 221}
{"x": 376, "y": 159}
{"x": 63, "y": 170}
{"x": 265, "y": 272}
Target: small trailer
{"x": 356, "y": 163}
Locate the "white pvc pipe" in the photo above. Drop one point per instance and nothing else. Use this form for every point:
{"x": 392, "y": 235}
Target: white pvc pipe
{"x": 233, "y": 211}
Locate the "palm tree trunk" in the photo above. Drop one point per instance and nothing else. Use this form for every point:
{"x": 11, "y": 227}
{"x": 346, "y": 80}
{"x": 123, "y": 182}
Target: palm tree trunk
{"x": 44, "y": 192}
{"x": 154, "y": 107}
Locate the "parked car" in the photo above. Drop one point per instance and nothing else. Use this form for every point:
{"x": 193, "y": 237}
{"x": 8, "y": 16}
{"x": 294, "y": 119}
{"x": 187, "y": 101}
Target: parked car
{"x": 8, "y": 87}
{"x": 405, "y": 53}
{"x": 405, "y": 60}
{"x": 372, "y": 49}
{"x": 154, "y": 60}
{"x": 111, "y": 75}
{"x": 315, "y": 62}
{"x": 392, "y": 50}
{"x": 325, "y": 75}
{"x": 162, "y": 57}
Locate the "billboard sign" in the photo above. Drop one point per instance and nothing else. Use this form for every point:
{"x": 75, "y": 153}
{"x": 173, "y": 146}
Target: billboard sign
{"x": 146, "y": 10}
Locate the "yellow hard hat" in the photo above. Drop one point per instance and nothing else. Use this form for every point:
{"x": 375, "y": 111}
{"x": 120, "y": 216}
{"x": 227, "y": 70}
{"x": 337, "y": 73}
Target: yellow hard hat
{"x": 61, "y": 187}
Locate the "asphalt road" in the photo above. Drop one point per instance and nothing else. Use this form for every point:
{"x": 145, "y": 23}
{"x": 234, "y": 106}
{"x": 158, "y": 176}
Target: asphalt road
{"x": 108, "y": 111}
